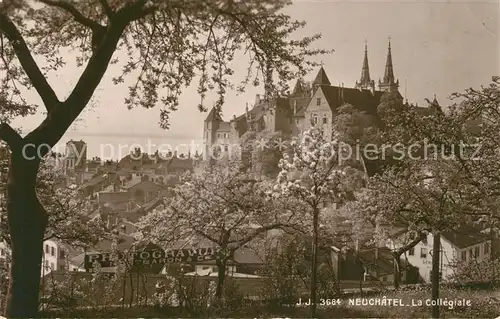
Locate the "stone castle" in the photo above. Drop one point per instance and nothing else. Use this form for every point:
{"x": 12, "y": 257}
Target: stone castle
{"x": 308, "y": 104}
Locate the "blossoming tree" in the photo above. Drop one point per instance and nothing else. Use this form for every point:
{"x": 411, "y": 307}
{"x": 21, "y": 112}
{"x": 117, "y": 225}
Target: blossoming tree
{"x": 221, "y": 205}
{"x": 312, "y": 174}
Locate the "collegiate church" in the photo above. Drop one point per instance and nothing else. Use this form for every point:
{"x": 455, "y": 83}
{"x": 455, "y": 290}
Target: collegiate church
{"x": 308, "y": 104}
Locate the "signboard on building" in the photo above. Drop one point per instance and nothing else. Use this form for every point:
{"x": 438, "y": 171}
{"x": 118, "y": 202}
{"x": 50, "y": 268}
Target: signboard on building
{"x": 160, "y": 256}
{"x": 106, "y": 261}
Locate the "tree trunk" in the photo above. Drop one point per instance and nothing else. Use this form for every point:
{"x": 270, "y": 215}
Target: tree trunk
{"x": 314, "y": 262}
{"x": 221, "y": 277}
{"x": 27, "y": 222}
{"x": 397, "y": 270}
{"x": 436, "y": 250}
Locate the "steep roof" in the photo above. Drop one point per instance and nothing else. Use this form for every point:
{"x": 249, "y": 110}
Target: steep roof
{"x": 213, "y": 115}
{"x": 299, "y": 87}
{"x": 363, "y": 100}
{"x": 321, "y": 78}
{"x": 465, "y": 237}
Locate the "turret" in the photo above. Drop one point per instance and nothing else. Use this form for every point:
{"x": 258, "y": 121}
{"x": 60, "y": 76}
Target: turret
{"x": 321, "y": 79}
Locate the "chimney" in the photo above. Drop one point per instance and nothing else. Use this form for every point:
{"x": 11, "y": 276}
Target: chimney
{"x": 294, "y": 107}
{"x": 376, "y": 253}
{"x": 257, "y": 99}
{"x": 356, "y": 245}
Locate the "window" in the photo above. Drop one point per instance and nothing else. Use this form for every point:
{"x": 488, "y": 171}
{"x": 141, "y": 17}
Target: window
{"x": 384, "y": 278}
{"x": 61, "y": 253}
{"x": 52, "y": 266}
{"x": 226, "y": 148}
{"x": 325, "y": 120}
{"x": 423, "y": 252}
{"x": 471, "y": 254}
{"x": 46, "y": 264}
{"x": 424, "y": 240}
{"x": 318, "y": 101}
{"x": 61, "y": 267}
{"x": 411, "y": 252}
{"x": 314, "y": 119}
{"x": 52, "y": 251}
{"x": 413, "y": 236}
{"x": 486, "y": 248}
{"x": 464, "y": 256}
{"x": 297, "y": 121}
{"x": 46, "y": 249}
{"x": 476, "y": 251}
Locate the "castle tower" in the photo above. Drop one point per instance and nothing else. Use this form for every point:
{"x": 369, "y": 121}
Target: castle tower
{"x": 76, "y": 155}
{"x": 321, "y": 79}
{"x": 389, "y": 84}
{"x": 365, "y": 82}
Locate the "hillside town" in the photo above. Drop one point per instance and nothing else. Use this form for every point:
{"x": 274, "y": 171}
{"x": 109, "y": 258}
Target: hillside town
{"x": 121, "y": 192}
{"x": 346, "y": 164}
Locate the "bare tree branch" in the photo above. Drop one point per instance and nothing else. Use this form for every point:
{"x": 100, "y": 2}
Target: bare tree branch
{"x": 77, "y": 15}
{"x": 29, "y": 65}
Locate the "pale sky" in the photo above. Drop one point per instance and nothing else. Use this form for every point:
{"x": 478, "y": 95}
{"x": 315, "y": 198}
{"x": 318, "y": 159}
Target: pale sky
{"x": 438, "y": 47}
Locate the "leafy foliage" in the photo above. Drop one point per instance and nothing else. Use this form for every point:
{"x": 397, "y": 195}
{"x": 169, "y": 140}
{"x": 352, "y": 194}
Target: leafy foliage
{"x": 165, "y": 46}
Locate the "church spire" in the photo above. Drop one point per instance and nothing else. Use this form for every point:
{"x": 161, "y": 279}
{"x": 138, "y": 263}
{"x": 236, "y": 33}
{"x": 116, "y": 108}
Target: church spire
{"x": 389, "y": 83}
{"x": 389, "y": 70}
{"x": 365, "y": 82}
{"x": 365, "y": 72}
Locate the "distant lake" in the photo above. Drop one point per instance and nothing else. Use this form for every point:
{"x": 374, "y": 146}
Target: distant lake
{"x": 116, "y": 147}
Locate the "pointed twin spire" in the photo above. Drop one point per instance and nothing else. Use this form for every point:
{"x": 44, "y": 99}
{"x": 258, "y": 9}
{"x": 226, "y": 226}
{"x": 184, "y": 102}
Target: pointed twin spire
{"x": 365, "y": 83}
{"x": 389, "y": 70}
{"x": 365, "y": 71}
{"x": 389, "y": 83}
